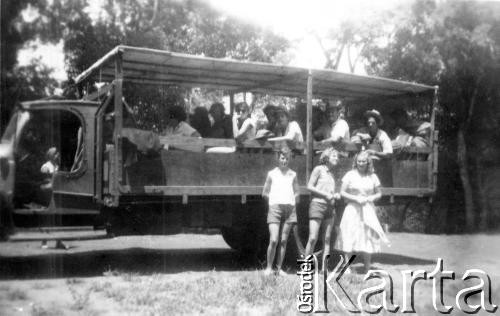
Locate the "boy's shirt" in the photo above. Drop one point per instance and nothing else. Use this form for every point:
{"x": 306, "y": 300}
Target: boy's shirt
{"x": 282, "y": 187}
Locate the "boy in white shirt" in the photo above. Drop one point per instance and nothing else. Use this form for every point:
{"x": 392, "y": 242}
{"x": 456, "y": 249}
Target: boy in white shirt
{"x": 281, "y": 190}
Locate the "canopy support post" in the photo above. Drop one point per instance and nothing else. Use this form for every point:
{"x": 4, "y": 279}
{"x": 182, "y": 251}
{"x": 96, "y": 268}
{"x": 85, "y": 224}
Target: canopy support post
{"x": 118, "y": 109}
{"x": 433, "y": 161}
{"x": 309, "y": 135}
{"x": 231, "y": 104}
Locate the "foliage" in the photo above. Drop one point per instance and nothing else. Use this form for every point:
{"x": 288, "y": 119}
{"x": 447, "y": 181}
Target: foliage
{"x": 182, "y": 26}
{"x": 19, "y": 83}
{"x": 456, "y": 46}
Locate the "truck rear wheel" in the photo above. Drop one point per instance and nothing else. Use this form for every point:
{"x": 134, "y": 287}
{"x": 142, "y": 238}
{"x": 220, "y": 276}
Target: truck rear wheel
{"x": 6, "y": 221}
{"x": 249, "y": 240}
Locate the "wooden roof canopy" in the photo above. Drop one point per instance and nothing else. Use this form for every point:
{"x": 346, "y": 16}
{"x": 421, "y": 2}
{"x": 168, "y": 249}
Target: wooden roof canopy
{"x": 150, "y": 66}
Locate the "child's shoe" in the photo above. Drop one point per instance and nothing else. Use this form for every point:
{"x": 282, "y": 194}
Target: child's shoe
{"x": 268, "y": 272}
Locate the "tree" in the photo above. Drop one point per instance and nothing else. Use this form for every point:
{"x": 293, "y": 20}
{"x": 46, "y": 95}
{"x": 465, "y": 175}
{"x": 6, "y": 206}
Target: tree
{"x": 182, "y": 26}
{"x": 456, "y": 46}
{"x": 19, "y": 83}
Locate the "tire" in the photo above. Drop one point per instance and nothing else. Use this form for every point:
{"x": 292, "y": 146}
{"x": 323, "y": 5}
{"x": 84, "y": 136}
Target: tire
{"x": 129, "y": 220}
{"x": 6, "y": 221}
{"x": 250, "y": 240}
{"x": 416, "y": 216}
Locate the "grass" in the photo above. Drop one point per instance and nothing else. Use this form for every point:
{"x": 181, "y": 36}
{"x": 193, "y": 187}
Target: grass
{"x": 41, "y": 286}
{"x": 219, "y": 293}
{"x": 213, "y": 293}
{"x": 16, "y": 295}
{"x": 38, "y": 310}
{"x": 80, "y": 299}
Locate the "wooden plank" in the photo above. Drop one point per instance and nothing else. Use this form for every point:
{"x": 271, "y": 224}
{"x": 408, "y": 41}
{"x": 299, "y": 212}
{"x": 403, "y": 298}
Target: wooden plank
{"x": 118, "y": 110}
{"x": 99, "y": 146}
{"x": 370, "y": 81}
{"x": 213, "y": 142}
{"x": 97, "y": 65}
{"x": 309, "y": 135}
{"x": 182, "y": 70}
{"x": 266, "y": 82}
{"x": 257, "y": 190}
{"x": 231, "y": 104}
{"x": 242, "y": 81}
{"x": 418, "y": 192}
{"x": 169, "y": 58}
{"x": 181, "y": 84}
{"x": 99, "y": 93}
{"x": 209, "y": 190}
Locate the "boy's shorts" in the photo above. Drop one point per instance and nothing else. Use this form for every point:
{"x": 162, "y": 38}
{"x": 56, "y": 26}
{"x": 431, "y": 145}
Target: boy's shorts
{"x": 321, "y": 211}
{"x": 282, "y": 213}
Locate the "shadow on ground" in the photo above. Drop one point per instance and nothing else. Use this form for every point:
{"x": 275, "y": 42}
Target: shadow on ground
{"x": 132, "y": 260}
{"x": 150, "y": 261}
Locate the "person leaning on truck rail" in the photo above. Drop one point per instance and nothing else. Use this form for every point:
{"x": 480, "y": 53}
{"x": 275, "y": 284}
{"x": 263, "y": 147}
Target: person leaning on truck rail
{"x": 244, "y": 126}
{"x": 339, "y": 129}
{"x": 272, "y": 119}
{"x": 377, "y": 144}
{"x": 176, "y": 123}
{"x": 200, "y": 121}
{"x": 410, "y": 133}
{"x": 376, "y": 141}
{"x": 222, "y": 125}
{"x": 287, "y": 130}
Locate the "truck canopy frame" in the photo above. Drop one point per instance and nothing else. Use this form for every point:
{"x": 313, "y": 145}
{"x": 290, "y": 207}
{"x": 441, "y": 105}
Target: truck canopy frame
{"x": 150, "y": 66}
{"x": 157, "y": 67}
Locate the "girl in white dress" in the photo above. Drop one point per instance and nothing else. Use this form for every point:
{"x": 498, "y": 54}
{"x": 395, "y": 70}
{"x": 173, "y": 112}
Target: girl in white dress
{"x": 360, "y": 230}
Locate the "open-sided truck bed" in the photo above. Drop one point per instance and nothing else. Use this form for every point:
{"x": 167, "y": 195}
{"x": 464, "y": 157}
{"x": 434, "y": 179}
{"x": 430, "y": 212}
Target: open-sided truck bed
{"x": 197, "y": 174}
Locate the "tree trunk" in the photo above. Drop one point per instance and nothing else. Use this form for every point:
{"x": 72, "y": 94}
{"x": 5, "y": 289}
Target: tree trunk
{"x": 464, "y": 176}
{"x": 484, "y": 209}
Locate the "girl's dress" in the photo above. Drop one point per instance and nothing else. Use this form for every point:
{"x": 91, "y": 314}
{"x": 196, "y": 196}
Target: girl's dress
{"x": 360, "y": 229}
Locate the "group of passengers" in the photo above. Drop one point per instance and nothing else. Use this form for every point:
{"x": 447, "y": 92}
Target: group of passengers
{"x": 333, "y": 128}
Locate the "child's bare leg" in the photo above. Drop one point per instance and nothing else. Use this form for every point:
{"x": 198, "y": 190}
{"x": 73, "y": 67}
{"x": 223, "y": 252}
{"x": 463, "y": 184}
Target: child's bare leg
{"x": 284, "y": 238}
{"x": 274, "y": 229}
{"x": 367, "y": 258}
{"x": 347, "y": 255}
{"x": 298, "y": 242}
{"x": 327, "y": 238}
{"x": 314, "y": 226}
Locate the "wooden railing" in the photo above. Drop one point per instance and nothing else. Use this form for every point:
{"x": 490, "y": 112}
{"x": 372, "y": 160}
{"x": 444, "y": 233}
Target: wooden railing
{"x": 145, "y": 140}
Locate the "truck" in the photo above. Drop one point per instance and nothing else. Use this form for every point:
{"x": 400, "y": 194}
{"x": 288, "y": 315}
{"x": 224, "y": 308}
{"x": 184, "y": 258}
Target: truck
{"x": 135, "y": 181}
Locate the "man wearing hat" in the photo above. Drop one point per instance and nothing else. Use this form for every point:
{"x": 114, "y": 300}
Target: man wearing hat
{"x": 339, "y": 131}
{"x": 377, "y": 142}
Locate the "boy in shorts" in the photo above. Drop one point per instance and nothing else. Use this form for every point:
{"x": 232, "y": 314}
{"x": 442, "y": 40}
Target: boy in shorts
{"x": 281, "y": 191}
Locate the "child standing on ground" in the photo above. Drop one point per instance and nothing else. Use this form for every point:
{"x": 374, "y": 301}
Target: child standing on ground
{"x": 281, "y": 190}
{"x": 321, "y": 209}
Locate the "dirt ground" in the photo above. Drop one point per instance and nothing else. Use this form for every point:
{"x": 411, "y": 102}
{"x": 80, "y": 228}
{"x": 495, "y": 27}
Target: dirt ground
{"x": 199, "y": 274}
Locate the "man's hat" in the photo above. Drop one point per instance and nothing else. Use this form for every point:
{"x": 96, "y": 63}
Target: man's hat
{"x": 375, "y": 114}
{"x": 334, "y": 106}
{"x": 280, "y": 110}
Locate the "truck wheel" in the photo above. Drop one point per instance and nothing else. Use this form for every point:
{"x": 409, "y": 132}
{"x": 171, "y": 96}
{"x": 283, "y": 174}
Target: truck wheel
{"x": 416, "y": 215}
{"x": 6, "y": 221}
{"x": 248, "y": 240}
{"x": 120, "y": 221}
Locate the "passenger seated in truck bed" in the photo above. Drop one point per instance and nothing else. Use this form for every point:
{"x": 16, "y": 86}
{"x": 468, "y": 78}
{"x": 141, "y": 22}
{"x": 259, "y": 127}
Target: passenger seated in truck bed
{"x": 287, "y": 130}
{"x": 176, "y": 123}
{"x": 410, "y": 133}
{"x": 244, "y": 126}
{"x": 221, "y": 126}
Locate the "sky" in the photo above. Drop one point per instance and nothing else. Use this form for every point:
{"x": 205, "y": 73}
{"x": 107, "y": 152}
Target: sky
{"x": 294, "y": 19}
